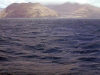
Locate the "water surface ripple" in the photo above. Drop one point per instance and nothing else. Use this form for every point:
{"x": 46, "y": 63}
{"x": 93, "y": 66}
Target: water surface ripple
{"x": 49, "y": 47}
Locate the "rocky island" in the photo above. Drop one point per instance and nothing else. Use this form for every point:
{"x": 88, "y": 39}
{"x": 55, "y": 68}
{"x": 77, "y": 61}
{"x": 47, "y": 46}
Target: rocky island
{"x": 27, "y": 10}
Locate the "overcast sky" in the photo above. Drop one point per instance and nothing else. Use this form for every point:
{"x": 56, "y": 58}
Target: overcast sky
{"x": 4, "y": 3}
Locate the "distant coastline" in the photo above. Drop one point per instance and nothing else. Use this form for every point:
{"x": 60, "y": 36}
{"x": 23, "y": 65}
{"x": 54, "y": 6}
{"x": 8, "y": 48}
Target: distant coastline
{"x": 37, "y": 10}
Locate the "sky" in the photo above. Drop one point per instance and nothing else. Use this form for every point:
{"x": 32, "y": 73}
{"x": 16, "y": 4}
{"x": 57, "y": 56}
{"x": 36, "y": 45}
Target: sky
{"x": 5, "y": 3}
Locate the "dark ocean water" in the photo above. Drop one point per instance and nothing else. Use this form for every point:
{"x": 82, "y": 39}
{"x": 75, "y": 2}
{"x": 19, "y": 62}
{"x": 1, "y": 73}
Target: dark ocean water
{"x": 49, "y": 47}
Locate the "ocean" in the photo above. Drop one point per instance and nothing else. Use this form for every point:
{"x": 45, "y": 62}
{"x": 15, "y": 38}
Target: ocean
{"x": 49, "y": 46}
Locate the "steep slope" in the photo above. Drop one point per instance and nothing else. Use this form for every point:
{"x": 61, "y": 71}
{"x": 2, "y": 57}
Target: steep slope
{"x": 75, "y": 10}
{"x": 27, "y": 10}
{"x": 66, "y": 8}
{"x": 86, "y": 12}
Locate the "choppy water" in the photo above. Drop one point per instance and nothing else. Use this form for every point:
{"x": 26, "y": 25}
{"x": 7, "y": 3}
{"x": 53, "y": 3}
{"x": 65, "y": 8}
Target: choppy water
{"x": 49, "y": 47}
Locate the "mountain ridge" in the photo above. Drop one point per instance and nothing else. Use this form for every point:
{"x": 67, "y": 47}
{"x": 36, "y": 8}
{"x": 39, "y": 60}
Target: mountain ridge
{"x": 37, "y": 10}
{"x": 76, "y": 10}
{"x": 27, "y": 10}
